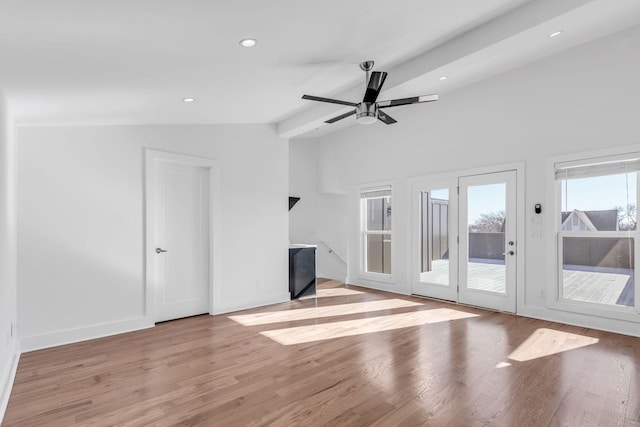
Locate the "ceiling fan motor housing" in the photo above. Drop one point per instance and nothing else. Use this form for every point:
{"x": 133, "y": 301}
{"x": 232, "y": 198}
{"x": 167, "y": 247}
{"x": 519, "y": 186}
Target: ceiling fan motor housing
{"x": 367, "y": 112}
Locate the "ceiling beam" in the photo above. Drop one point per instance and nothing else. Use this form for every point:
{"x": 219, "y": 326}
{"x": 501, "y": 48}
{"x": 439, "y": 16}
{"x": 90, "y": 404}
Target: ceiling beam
{"x": 530, "y": 15}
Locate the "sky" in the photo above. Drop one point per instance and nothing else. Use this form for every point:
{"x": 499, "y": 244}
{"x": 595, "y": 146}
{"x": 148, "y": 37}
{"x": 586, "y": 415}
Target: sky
{"x": 599, "y": 193}
{"x": 485, "y": 199}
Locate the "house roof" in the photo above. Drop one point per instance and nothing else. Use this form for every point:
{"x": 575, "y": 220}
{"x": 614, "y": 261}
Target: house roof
{"x": 601, "y": 220}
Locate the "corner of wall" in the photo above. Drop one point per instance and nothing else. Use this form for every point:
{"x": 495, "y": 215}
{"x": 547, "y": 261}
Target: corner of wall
{"x": 9, "y": 345}
{"x": 7, "y": 377}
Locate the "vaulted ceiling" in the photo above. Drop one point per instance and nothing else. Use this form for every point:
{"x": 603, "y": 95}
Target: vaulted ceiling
{"x": 133, "y": 62}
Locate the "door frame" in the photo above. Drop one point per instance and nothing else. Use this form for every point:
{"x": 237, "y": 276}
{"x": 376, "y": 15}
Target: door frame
{"x": 415, "y": 184}
{"x": 151, "y": 158}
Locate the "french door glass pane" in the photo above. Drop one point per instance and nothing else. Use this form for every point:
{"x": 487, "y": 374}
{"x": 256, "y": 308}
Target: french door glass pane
{"x": 598, "y": 270}
{"x": 486, "y": 237}
{"x": 378, "y": 247}
{"x": 435, "y": 237}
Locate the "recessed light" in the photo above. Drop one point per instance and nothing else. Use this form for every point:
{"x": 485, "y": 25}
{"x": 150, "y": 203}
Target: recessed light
{"x": 188, "y": 99}
{"x": 248, "y": 42}
{"x": 555, "y": 34}
{"x": 444, "y": 77}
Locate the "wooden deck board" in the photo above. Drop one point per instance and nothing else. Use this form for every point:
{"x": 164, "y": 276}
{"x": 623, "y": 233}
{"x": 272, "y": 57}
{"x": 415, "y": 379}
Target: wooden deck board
{"x": 594, "y": 286}
{"x": 580, "y": 283}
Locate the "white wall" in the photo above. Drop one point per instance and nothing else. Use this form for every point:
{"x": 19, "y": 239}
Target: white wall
{"x": 81, "y": 223}
{"x": 583, "y": 99}
{"x": 8, "y": 315}
{"x": 317, "y": 218}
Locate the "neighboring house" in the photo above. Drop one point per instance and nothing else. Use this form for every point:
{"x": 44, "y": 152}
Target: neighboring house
{"x": 577, "y": 220}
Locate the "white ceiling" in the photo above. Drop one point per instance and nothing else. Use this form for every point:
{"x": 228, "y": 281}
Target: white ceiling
{"x": 132, "y": 62}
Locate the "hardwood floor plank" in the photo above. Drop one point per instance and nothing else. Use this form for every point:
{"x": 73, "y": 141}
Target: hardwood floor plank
{"x": 397, "y": 361}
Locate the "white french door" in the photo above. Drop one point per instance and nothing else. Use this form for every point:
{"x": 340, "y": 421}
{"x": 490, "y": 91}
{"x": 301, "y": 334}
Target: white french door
{"x": 467, "y": 240}
{"x": 487, "y": 230}
{"x": 437, "y": 246}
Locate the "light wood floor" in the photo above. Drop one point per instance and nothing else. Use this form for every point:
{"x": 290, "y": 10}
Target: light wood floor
{"x": 349, "y": 357}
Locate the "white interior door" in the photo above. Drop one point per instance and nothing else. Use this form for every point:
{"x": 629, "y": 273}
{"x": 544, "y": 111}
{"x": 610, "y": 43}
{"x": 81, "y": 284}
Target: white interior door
{"x": 182, "y": 241}
{"x": 488, "y": 246}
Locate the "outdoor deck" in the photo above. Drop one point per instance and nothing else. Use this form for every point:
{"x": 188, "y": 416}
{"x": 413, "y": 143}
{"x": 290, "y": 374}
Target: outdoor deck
{"x": 581, "y": 283}
{"x": 611, "y": 286}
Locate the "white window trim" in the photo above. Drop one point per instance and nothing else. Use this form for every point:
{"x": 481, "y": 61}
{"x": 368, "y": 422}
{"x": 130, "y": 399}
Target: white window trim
{"x": 554, "y": 236}
{"x": 362, "y": 274}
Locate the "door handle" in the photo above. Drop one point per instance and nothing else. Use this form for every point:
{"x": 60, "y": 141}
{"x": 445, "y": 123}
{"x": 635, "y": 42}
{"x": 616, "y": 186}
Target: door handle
{"x": 159, "y": 251}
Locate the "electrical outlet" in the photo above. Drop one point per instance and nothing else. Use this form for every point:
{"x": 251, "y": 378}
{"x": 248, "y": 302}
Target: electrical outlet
{"x": 259, "y": 284}
{"x": 541, "y": 293}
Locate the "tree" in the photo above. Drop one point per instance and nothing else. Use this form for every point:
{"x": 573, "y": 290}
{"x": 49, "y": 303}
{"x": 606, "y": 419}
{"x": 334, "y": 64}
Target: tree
{"x": 492, "y": 222}
{"x": 627, "y": 217}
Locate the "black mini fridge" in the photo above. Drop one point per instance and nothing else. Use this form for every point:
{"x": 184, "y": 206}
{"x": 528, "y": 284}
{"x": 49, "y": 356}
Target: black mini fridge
{"x": 302, "y": 271}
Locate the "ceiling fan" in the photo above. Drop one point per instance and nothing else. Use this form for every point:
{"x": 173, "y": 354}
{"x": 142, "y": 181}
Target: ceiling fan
{"x": 369, "y": 111}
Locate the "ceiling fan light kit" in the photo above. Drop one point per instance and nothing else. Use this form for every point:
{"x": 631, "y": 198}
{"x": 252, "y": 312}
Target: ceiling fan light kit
{"x": 369, "y": 110}
{"x": 367, "y": 113}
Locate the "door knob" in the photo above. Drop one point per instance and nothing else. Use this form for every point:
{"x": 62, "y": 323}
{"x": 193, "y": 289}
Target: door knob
{"x": 159, "y": 251}
{"x": 512, "y": 253}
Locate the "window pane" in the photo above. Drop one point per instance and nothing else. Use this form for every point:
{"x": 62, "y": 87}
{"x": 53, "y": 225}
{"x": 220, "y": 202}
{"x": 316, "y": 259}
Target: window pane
{"x": 435, "y": 237}
{"x": 486, "y": 237}
{"x": 598, "y": 270}
{"x": 378, "y": 248}
{"x": 378, "y": 214}
{"x": 602, "y": 203}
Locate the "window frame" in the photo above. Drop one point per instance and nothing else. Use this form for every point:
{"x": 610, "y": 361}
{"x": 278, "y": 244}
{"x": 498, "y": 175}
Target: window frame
{"x": 555, "y": 297}
{"x": 364, "y": 233}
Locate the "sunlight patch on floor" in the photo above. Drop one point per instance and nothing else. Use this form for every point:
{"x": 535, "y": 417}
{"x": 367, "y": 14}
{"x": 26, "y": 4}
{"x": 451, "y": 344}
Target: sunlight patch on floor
{"x": 546, "y": 342}
{"x": 319, "y": 312}
{"x": 336, "y": 292}
{"x": 347, "y": 328}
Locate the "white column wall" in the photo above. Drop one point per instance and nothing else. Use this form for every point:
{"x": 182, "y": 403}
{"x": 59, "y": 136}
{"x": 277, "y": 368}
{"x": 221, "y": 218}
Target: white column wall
{"x": 8, "y": 315}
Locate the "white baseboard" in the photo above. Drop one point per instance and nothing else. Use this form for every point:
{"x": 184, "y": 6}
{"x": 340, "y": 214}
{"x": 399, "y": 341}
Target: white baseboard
{"x": 7, "y": 376}
{"x": 70, "y": 336}
{"x": 581, "y": 320}
{"x": 379, "y": 286}
{"x": 270, "y": 300}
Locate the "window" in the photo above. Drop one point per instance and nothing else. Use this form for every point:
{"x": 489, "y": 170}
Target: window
{"x": 376, "y": 230}
{"x": 598, "y": 231}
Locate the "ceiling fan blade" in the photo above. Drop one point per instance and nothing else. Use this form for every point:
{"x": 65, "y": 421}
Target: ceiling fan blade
{"x": 385, "y": 118}
{"x": 341, "y": 116}
{"x": 332, "y": 101}
{"x": 375, "y": 84}
{"x": 407, "y": 101}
